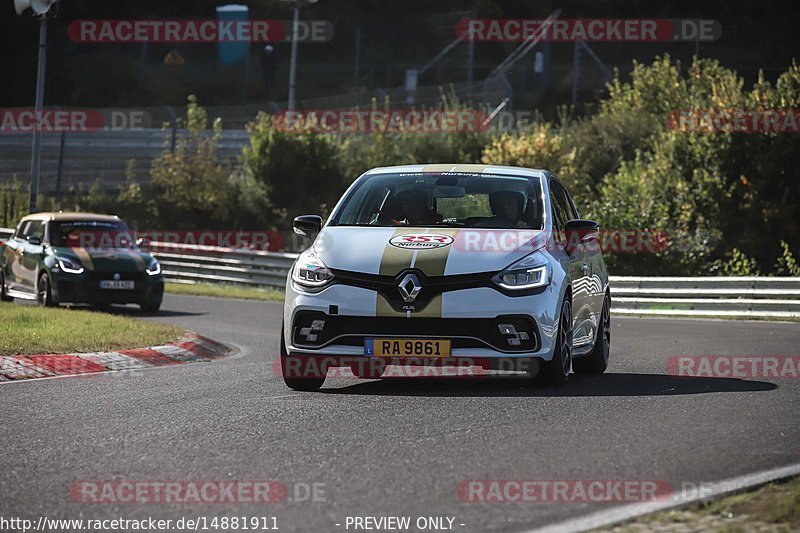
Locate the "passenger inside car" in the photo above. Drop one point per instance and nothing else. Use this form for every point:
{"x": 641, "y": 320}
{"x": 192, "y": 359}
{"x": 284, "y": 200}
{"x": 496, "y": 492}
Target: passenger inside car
{"x": 414, "y": 208}
{"x": 508, "y": 209}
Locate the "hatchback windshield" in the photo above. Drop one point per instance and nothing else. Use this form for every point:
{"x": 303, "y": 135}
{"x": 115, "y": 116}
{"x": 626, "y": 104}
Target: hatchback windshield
{"x": 91, "y": 234}
{"x": 444, "y": 199}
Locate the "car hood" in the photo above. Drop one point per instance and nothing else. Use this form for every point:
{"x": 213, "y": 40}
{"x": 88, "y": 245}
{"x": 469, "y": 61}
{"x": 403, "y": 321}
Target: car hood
{"x": 434, "y": 251}
{"x": 106, "y": 259}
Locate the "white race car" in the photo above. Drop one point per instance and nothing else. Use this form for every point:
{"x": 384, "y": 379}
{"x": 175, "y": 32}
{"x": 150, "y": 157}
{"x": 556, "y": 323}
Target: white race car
{"x": 448, "y": 265}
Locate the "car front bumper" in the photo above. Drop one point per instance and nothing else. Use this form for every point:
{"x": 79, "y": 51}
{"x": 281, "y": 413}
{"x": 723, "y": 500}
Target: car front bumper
{"x": 470, "y": 318}
{"x": 85, "y": 288}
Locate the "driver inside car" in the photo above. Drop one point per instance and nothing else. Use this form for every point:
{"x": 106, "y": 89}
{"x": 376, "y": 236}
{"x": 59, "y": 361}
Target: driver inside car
{"x": 507, "y": 208}
{"x": 415, "y": 210}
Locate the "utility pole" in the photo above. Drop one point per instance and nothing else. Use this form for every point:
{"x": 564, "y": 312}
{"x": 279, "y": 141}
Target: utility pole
{"x": 40, "y": 9}
{"x": 37, "y": 114}
{"x": 293, "y": 61}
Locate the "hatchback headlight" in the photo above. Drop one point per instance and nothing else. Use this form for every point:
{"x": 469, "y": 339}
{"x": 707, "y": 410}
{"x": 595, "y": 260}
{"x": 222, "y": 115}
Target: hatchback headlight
{"x": 309, "y": 271}
{"x": 70, "y": 266}
{"x": 154, "y": 268}
{"x": 530, "y": 272}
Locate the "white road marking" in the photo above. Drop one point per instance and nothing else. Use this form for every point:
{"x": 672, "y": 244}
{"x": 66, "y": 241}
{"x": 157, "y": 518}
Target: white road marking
{"x": 712, "y": 490}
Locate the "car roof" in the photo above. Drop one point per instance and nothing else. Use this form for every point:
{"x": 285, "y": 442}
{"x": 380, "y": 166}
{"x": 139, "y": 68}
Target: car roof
{"x": 62, "y": 216}
{"x": 460, "y": 168}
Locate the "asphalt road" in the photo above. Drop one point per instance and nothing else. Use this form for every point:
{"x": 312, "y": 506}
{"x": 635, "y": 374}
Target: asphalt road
{"x": 393, "y": 447}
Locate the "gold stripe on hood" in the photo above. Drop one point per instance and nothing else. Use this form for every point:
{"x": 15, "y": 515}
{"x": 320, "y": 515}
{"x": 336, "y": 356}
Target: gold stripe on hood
{"x": 433, "y": 261}
{"x": 395, "y": 259}
{"x": 85, "y": 258}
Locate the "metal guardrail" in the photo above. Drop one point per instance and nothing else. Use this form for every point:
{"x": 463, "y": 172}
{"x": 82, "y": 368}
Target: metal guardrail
{"x": 729, "y": 297}
{"x": 208, "y": 264}
{"x": 746, "y": 296}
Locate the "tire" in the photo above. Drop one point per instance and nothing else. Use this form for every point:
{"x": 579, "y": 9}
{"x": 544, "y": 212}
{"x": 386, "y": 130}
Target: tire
{"x": 298, "y": 383}
{"x": 369, "y": 369}
{"x": 3, "y": 296}
{"x": 597, "y": 361}
{"x": 150, "y": 308}
{"x": 556, "y": 371}
{"x": 44, "y": 293}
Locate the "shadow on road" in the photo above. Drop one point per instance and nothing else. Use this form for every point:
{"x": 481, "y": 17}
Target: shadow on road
{"x": 609, "y": 384}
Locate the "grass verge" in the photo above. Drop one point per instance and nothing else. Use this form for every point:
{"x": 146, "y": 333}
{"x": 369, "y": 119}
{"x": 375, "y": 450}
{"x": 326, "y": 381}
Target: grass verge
{"x": 26, "y": 330}
{"x": 224, "y": 291}
{"x": 772, "y": 507}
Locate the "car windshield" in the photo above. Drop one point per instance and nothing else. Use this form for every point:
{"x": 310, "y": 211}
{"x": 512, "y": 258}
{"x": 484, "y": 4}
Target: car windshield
{"x": 91, "y": 234}
{"x": 444, "y": 199}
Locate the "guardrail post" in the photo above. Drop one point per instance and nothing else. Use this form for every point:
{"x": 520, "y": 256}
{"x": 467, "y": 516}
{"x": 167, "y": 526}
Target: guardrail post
{"x": 174, "y": 123}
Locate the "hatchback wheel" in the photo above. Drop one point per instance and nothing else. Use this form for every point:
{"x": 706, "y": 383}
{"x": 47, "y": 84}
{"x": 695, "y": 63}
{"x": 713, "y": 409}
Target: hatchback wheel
{"x": 295, "y": 373}
{"x": 44, "y": 293}
{"x": 597, "y": 361}
{"x": 3, "y": 296}
{"x": 557, "y": 371}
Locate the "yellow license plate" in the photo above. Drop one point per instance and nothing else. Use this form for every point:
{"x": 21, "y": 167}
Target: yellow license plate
{"x": 386, "y": 347}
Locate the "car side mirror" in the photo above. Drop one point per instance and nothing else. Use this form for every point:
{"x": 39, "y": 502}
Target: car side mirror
{"x": 143, "y": 242}
{"x": 32, "y": 239}
{"x": 307, "y": 225}
{"x": 580, "y": 232}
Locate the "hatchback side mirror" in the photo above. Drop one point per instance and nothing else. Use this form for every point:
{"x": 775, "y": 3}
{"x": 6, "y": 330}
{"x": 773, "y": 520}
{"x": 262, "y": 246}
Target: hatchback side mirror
{"x": 580, "y": 232}
{"x": 143, "y": 242}
{"x": 307, "y": 225}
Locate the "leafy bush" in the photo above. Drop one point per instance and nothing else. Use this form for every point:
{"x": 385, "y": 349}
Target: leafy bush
{"x": 190, "y": 179}
{"x": 294, "y": 173}
{"x": 540, "y": 147}
{"x": 14, "y": 201}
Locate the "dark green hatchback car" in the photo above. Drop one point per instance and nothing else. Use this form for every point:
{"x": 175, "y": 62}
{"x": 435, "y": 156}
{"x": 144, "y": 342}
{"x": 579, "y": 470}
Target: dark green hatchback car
{"x": 78, "y": 258}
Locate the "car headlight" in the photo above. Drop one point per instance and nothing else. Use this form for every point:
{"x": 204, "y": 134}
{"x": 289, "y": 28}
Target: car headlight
{"x": 70, "y": 266}
{"x": 154, "y": 268}
{"x": 530, "y": 272}
{"x": 309, "y": 271}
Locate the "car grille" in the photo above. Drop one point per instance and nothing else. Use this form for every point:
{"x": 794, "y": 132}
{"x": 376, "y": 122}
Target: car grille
{"x": 464, "y": 332}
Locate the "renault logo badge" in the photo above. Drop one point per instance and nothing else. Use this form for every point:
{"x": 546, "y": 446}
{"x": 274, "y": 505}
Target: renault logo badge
{"x": 409, "y": 287}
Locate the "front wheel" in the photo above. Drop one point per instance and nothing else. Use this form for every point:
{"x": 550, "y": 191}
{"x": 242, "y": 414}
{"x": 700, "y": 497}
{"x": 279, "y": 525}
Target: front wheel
{"x": 557, "y": 370}
{"x": 4, "y": 297}
{"x": 597, "y": 361}
{"x": 296, "y": 371}
{"x": 44, "y": 293}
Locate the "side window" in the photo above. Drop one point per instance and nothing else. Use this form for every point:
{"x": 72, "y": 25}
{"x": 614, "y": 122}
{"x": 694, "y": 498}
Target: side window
{"x": 571, "y": 210}
{"x": 559, "y": 215}
{"x": 35, "y": 229}
{"x": 22, "y": 230}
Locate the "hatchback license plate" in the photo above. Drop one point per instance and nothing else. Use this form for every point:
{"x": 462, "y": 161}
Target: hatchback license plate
{"x": 116, "y": 284}
{"x": 387, "y": 347}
